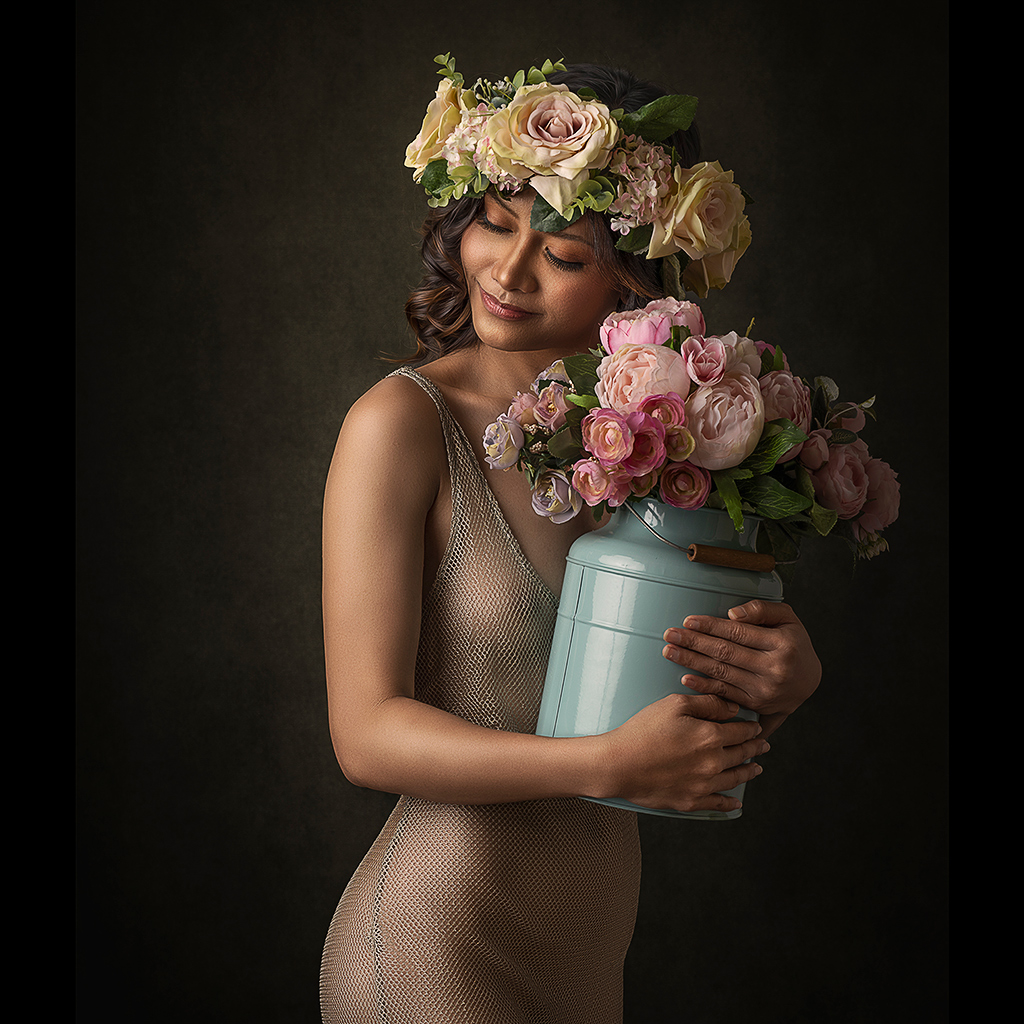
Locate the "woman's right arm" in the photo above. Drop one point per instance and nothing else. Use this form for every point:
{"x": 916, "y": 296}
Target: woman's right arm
{"x": 389, "y": 469}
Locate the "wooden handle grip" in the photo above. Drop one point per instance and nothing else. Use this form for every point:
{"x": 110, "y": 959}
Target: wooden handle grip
{"x": 730, "y": 558}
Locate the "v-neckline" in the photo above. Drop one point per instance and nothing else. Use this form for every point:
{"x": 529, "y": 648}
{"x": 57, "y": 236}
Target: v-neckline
{"x": 492, "y": 498}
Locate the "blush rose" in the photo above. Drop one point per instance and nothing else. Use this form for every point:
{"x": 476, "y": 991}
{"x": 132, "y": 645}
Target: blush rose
{"x": 726, "y": 420}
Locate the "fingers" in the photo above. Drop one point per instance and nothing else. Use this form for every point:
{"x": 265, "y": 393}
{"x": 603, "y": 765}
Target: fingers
{"x": 707, "y": 706}
{"x": 763, "y": 613}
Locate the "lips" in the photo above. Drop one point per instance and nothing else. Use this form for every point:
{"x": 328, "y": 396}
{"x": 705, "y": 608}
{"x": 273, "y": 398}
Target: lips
{"x": 499, "y": 309}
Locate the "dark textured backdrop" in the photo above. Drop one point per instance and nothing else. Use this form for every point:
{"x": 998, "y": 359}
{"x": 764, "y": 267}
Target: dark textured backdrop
{"x": 247, "y": 238}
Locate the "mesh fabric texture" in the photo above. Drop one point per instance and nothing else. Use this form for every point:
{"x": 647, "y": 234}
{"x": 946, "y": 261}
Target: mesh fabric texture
{"x": 514, "y": 913}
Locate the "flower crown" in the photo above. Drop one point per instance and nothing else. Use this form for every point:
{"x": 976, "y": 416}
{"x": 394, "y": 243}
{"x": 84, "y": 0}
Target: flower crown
{"x": 578, "y": 155}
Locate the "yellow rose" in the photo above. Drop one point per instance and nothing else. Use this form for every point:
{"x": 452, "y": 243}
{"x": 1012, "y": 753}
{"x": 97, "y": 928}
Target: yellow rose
{"x": 716, "y": 271}
{"x": 701, "y": 215}
{"x": 444, "y": 113}
{"x": 548, "y": 130}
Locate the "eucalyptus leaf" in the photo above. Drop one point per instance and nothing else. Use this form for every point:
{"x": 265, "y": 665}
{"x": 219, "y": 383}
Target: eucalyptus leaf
{"x": 842, "y": 436}
{"x": 435, "y": 176}
{"x": 544, "y": 217}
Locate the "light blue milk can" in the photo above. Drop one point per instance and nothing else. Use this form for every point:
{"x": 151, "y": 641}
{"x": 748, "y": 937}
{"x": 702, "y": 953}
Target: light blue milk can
{"x": 624, "y": 585}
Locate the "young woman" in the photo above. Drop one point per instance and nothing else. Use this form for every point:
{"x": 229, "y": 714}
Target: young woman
{"x": 493, "y": 893}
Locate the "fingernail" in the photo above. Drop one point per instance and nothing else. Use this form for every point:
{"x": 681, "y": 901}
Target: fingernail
{"x": 758, "y": 769}
{"x": 737, "y": 613}
{"x": 673, "y": 636}
{"x": 767, "y": 746}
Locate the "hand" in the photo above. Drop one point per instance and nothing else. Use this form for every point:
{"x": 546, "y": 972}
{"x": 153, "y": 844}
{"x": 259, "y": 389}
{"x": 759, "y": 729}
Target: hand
{"x": 681, "y": 752}
{"x": 760, "y": 657}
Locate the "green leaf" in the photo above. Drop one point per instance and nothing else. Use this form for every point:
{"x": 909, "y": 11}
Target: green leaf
{"x": 582, "y": 371}
{"x": 730, "y": 496}
{"x": 656, "y": 121}
{"x": 435, "y": 176}
{"x": 772, "y": 499}
{"x": 544, "y": 217}
{"x": 842, "y": 436}
{"x": 778, "y": 437}
{"x": 637, "y": 240}
{"x": 828, "y": 386}
{"x": 584, "y": 401}
{"x": 564, "y": 446}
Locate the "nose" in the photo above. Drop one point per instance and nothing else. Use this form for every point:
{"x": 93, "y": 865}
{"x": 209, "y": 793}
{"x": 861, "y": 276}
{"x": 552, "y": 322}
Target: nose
{"x": 514, "y": 269}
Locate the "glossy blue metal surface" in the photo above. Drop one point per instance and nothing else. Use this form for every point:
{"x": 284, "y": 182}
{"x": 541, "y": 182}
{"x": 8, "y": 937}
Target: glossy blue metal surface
{"x": 623, "y": 588}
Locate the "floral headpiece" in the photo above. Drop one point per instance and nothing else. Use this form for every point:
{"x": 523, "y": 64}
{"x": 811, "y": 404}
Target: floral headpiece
{"x": 578, "y": 155}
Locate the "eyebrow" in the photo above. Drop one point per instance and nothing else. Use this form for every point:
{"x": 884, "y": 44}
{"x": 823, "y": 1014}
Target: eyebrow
{"x": 561, "y": 234}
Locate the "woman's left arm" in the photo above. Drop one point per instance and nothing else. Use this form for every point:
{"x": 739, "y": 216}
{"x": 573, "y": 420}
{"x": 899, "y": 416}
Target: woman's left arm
{"x": 760, "y": 657}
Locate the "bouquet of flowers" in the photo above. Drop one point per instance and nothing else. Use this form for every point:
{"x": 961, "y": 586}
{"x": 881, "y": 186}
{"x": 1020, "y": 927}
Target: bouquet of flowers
{"x": 666, "y": 411}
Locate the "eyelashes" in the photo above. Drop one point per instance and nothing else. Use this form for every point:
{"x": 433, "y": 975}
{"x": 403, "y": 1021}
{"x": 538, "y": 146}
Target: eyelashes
{"x": 554, "y": 260}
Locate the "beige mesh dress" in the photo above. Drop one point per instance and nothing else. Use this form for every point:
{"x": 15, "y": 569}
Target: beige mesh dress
{"x": 501, "y": 914}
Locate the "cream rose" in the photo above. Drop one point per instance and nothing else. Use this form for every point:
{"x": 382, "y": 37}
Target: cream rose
{"x": 548, "y": 130}
{"x": 726, "y": 420}
{"x": 701, "y": 215}
{"x": 444, "y": 113}
{"x": 715, "y": 271}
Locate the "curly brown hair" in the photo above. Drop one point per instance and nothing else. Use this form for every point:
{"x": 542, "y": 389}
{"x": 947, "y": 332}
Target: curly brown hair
{"x": 438, "y": 310}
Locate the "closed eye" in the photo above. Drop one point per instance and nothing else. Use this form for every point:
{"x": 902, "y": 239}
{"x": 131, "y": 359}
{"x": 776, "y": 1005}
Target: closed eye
{"x": 562, "y": 264}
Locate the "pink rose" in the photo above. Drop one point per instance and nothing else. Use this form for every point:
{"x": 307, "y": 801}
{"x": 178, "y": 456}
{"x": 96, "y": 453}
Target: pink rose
{"x": 841, "y": 484}
{"x": 554, "y": 497}
{"x": 814, "y": 453}
{"x": 633, "y": 372}
{"x": 883, "y": 501}
{"x": 726, "y": 420}
{"x": 684, "y": 485}
{"x": 551, "y": 407}
{"x": 705, "y": 359}
{"x": 648, "y": 451}
{"x": 521, "y": 409}
{"x": 596, "y": 483}
{"x": 786, "y": 397}
{"x": 607, "y": 436}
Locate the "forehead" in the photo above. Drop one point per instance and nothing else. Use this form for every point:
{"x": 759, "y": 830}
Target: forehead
{"x": 520, "y": 205}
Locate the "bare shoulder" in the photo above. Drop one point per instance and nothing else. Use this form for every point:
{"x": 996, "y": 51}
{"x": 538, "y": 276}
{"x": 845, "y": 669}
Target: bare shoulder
{"x": 391, "y": 440}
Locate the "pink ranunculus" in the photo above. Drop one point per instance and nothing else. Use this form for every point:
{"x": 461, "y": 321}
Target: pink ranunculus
{"x": 502, "y": 442}
{"x": 554, "y": 497}
{"x": 670, "y": 408}
{"x": 726, "y": 420}
{"x": 679, "y": 444}
{"x": 786, "y": 397}
{"x": 882, "y": 505}
{"x": 684, "y": 485}
{"x": 841, "y": 484}
{"x": 641, "y": 486}
{"x": 635, "y": 327}
{"x": 551, "y": 407}
{"x": 596, "y": 483}
{"x": 705, "y": 359}
{"x": 648, "y": 451}
{"x": 607, "y": 436}
{"x": 633, "y": 372}
{"x": 814, "y": 453}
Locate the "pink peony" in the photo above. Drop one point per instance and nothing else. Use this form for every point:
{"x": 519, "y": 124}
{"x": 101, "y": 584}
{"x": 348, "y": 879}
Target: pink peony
{"x": 841, "y": 484}
{"x": 684, "y": 485}
{"x": 635, "y": 327}
{"x": 633, "y": 372}
{"x": 741, "y": 355}
{"x": 596, "y": 483}
{"x": 882, "y": 505}
{"x": 705, "y": 359}
{"x": 786, "y": 397}
{"x": 726, "y": 420}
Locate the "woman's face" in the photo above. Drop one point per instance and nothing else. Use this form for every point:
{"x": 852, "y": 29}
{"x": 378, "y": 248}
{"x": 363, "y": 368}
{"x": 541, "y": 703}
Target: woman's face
{"x": 529, "y": 290}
